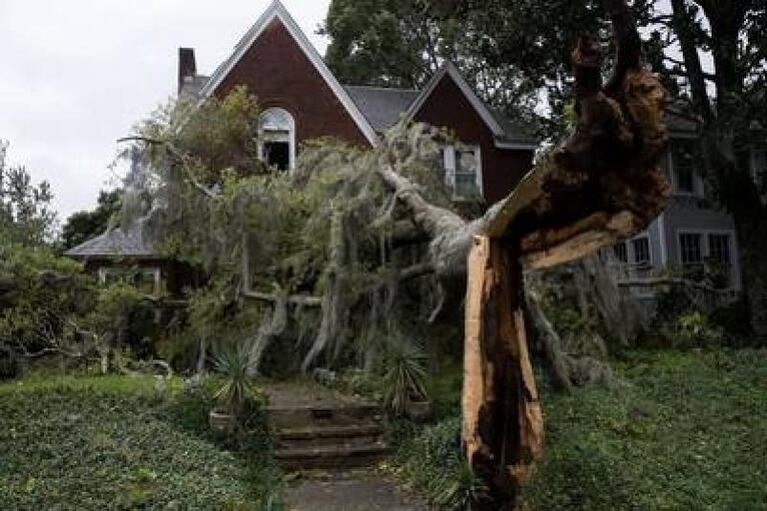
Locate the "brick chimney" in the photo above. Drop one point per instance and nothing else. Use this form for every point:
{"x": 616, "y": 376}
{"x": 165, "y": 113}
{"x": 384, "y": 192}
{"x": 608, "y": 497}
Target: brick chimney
{"x": 187, "y": 67}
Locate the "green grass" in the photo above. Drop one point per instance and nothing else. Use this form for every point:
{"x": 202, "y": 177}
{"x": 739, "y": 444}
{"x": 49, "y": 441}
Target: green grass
{"x": 678, "y": 430}
{"x": 685, "y": 431}
{"x": 121, "y": 443}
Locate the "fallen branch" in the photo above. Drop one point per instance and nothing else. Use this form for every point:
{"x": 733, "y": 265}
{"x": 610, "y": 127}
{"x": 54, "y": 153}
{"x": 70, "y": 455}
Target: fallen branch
{"x": 180, "y": 157}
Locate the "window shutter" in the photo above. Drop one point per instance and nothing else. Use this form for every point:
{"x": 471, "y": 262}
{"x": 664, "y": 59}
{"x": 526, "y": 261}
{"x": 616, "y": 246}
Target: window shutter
{"x": 449, "y": 165}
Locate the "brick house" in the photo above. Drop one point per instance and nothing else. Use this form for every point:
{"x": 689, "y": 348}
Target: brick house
{"x": 302, "y": 100}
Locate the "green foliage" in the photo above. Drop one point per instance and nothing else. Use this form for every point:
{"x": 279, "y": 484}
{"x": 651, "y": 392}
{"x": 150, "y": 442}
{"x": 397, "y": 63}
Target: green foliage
{"x": 122, "y": 443}
{"x": 238, "y": 390}
{"x": 404, "y": 378}
{"x": 686, "y": 431}
{"x": 402, "y": 44}
{"x": 84, "y": 225}
{"x": 39, "y": 294}
{"x": 322, "y": 230}
{"x": 391, "y": 43}
{"x": 9, "y": 365}
{"x": 696, "y": 330}
{"x": 429, "y": 459}
{"x": 26, "y": 215}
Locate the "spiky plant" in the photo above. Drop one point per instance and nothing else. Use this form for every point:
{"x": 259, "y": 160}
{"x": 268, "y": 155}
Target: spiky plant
{"x": 238, "y": 388}
{"x": 404, "y": 377}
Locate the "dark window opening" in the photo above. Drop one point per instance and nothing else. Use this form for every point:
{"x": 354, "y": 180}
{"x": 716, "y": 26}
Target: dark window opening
{"x": 691, "y": 255}
{"x": 719, "y": 260}
{"x": 277, "y": 154}
{"x": 641, "y": 251}
{"x": 621, "y": 252}
{"x": 684, "y": 156}
{"x": 719, "y": 248}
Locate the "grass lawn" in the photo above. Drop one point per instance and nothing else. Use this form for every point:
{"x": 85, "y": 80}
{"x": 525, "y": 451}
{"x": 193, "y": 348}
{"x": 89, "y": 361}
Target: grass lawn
{"x": 120, "y": 443}
{"x": 678, "y": 430}
{"x": 685, "y": 431}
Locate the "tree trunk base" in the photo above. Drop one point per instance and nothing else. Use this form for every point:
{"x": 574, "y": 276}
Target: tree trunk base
{"x": 502, "y": 419}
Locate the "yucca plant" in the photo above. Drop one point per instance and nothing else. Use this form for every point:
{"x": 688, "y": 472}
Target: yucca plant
{"x": 404, "y": 377}
{"x": 461, "y": 490}
{"x": 238, "y": 388}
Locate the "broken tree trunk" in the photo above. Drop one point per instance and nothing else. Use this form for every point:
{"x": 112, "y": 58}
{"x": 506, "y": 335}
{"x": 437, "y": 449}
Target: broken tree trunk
{"x": 502, "y": 419}
{"x": 604, "y": 183}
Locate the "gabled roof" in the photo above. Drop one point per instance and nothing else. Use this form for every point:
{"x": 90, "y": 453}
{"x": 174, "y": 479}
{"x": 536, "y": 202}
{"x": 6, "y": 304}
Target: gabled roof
{"x": 112, "y": 244}
{"x": 382, "y": 107}
{"x": 276, "y": 11}
{"x": 507, "y": 135}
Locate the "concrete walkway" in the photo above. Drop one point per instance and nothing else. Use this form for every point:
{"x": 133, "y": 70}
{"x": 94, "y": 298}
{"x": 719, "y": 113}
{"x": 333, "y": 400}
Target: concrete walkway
{"x": 362, "y": 490}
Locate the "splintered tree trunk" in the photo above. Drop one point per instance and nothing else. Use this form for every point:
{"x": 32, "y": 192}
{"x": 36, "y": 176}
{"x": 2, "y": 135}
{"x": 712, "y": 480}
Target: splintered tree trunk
{"x": 502, "y": 419}
{"x": 604, "y": 183}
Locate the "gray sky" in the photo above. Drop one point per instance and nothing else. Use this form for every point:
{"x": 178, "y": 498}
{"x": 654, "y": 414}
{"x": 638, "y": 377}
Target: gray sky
{"x": 75, "y": 75}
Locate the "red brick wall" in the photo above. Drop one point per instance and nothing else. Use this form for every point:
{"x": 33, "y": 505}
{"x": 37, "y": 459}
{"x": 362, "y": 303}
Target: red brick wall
{"x": 447, "y": 107}
{"x": 277, "y": 71}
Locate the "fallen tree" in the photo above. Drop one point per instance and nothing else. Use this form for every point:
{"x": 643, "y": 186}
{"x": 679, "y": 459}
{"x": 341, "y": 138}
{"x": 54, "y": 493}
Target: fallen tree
{"x": 316, "y": 251}
{"x": 602, "y": 184}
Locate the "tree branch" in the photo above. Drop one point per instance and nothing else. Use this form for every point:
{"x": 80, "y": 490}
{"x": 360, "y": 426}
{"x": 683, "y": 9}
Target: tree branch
{"x": 179, "y": 155}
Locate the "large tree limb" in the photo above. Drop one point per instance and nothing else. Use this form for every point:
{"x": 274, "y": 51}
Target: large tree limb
{"x": 603, "y": 183}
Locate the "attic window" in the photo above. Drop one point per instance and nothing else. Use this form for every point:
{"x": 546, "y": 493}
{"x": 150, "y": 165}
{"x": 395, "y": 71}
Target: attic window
{"x": 684, "y": 155}
{"x": 277, "y": 139}
{"x": 462, "y": 170}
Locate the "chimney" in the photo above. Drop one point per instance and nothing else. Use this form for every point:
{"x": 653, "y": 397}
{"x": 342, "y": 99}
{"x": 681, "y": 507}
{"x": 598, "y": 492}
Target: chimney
{"x": 187, "y": 67}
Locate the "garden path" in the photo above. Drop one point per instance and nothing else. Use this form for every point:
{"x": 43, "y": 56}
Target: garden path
{"x": 316, "y": 427}
{"x": 360, "y": 490}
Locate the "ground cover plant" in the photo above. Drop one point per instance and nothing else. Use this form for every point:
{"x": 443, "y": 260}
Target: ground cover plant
{"x": 675, "y": 430}
{"x": 123, "y": 443}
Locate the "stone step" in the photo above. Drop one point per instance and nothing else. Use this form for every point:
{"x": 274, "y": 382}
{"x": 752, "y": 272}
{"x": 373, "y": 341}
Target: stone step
{"x": 331, "y": 457}
{"x": 291, "y": 417}
{"x": 352, "y": 435}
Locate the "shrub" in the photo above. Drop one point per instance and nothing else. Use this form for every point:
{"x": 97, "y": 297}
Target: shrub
{"x": 404, "y": 378}
{"x": 39, "y": 294}
{"x": 9, "y": 365}
{"x": 430, "y": 460}
{"x": 695, "y": 330}
{"x": 237, "y": 392}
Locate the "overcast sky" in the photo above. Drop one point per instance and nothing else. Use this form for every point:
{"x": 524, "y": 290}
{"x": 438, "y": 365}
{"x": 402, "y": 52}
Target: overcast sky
{"x": 75, "y": 75}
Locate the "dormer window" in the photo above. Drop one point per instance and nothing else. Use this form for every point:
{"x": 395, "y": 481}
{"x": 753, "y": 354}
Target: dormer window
{"x": 683, "y": 159}
{"x": 462, "y": 170}
{"x": 277, "y": 139}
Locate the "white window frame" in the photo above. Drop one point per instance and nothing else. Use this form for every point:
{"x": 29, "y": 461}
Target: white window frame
{"x": 698, "y": 189}
{"x": 155, "y": 271}
{"x": 705, "y": 250}
{"x": 291, "y": 135}
{"x": 632, "y": 252}
{"x": 450, "y": 164}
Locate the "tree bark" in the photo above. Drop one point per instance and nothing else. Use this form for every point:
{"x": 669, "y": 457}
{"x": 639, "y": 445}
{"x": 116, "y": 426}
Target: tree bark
{"x": 502, "y": 418}
{"x": 602, "y": 184}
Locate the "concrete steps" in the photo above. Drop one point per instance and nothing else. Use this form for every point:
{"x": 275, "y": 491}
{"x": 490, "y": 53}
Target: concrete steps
{"x": 327, "y": 436}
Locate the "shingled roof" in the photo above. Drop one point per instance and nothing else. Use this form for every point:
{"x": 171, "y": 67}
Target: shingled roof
{"x": 384, "y": 107}
{"x": 113, "y": 244}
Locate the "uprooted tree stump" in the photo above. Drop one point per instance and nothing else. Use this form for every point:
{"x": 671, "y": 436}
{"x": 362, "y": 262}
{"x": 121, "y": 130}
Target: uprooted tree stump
{"x": 604, "y": 183}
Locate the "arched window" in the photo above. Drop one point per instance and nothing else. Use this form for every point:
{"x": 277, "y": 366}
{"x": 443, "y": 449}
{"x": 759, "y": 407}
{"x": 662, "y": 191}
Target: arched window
{"x": 277, "y": 138}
